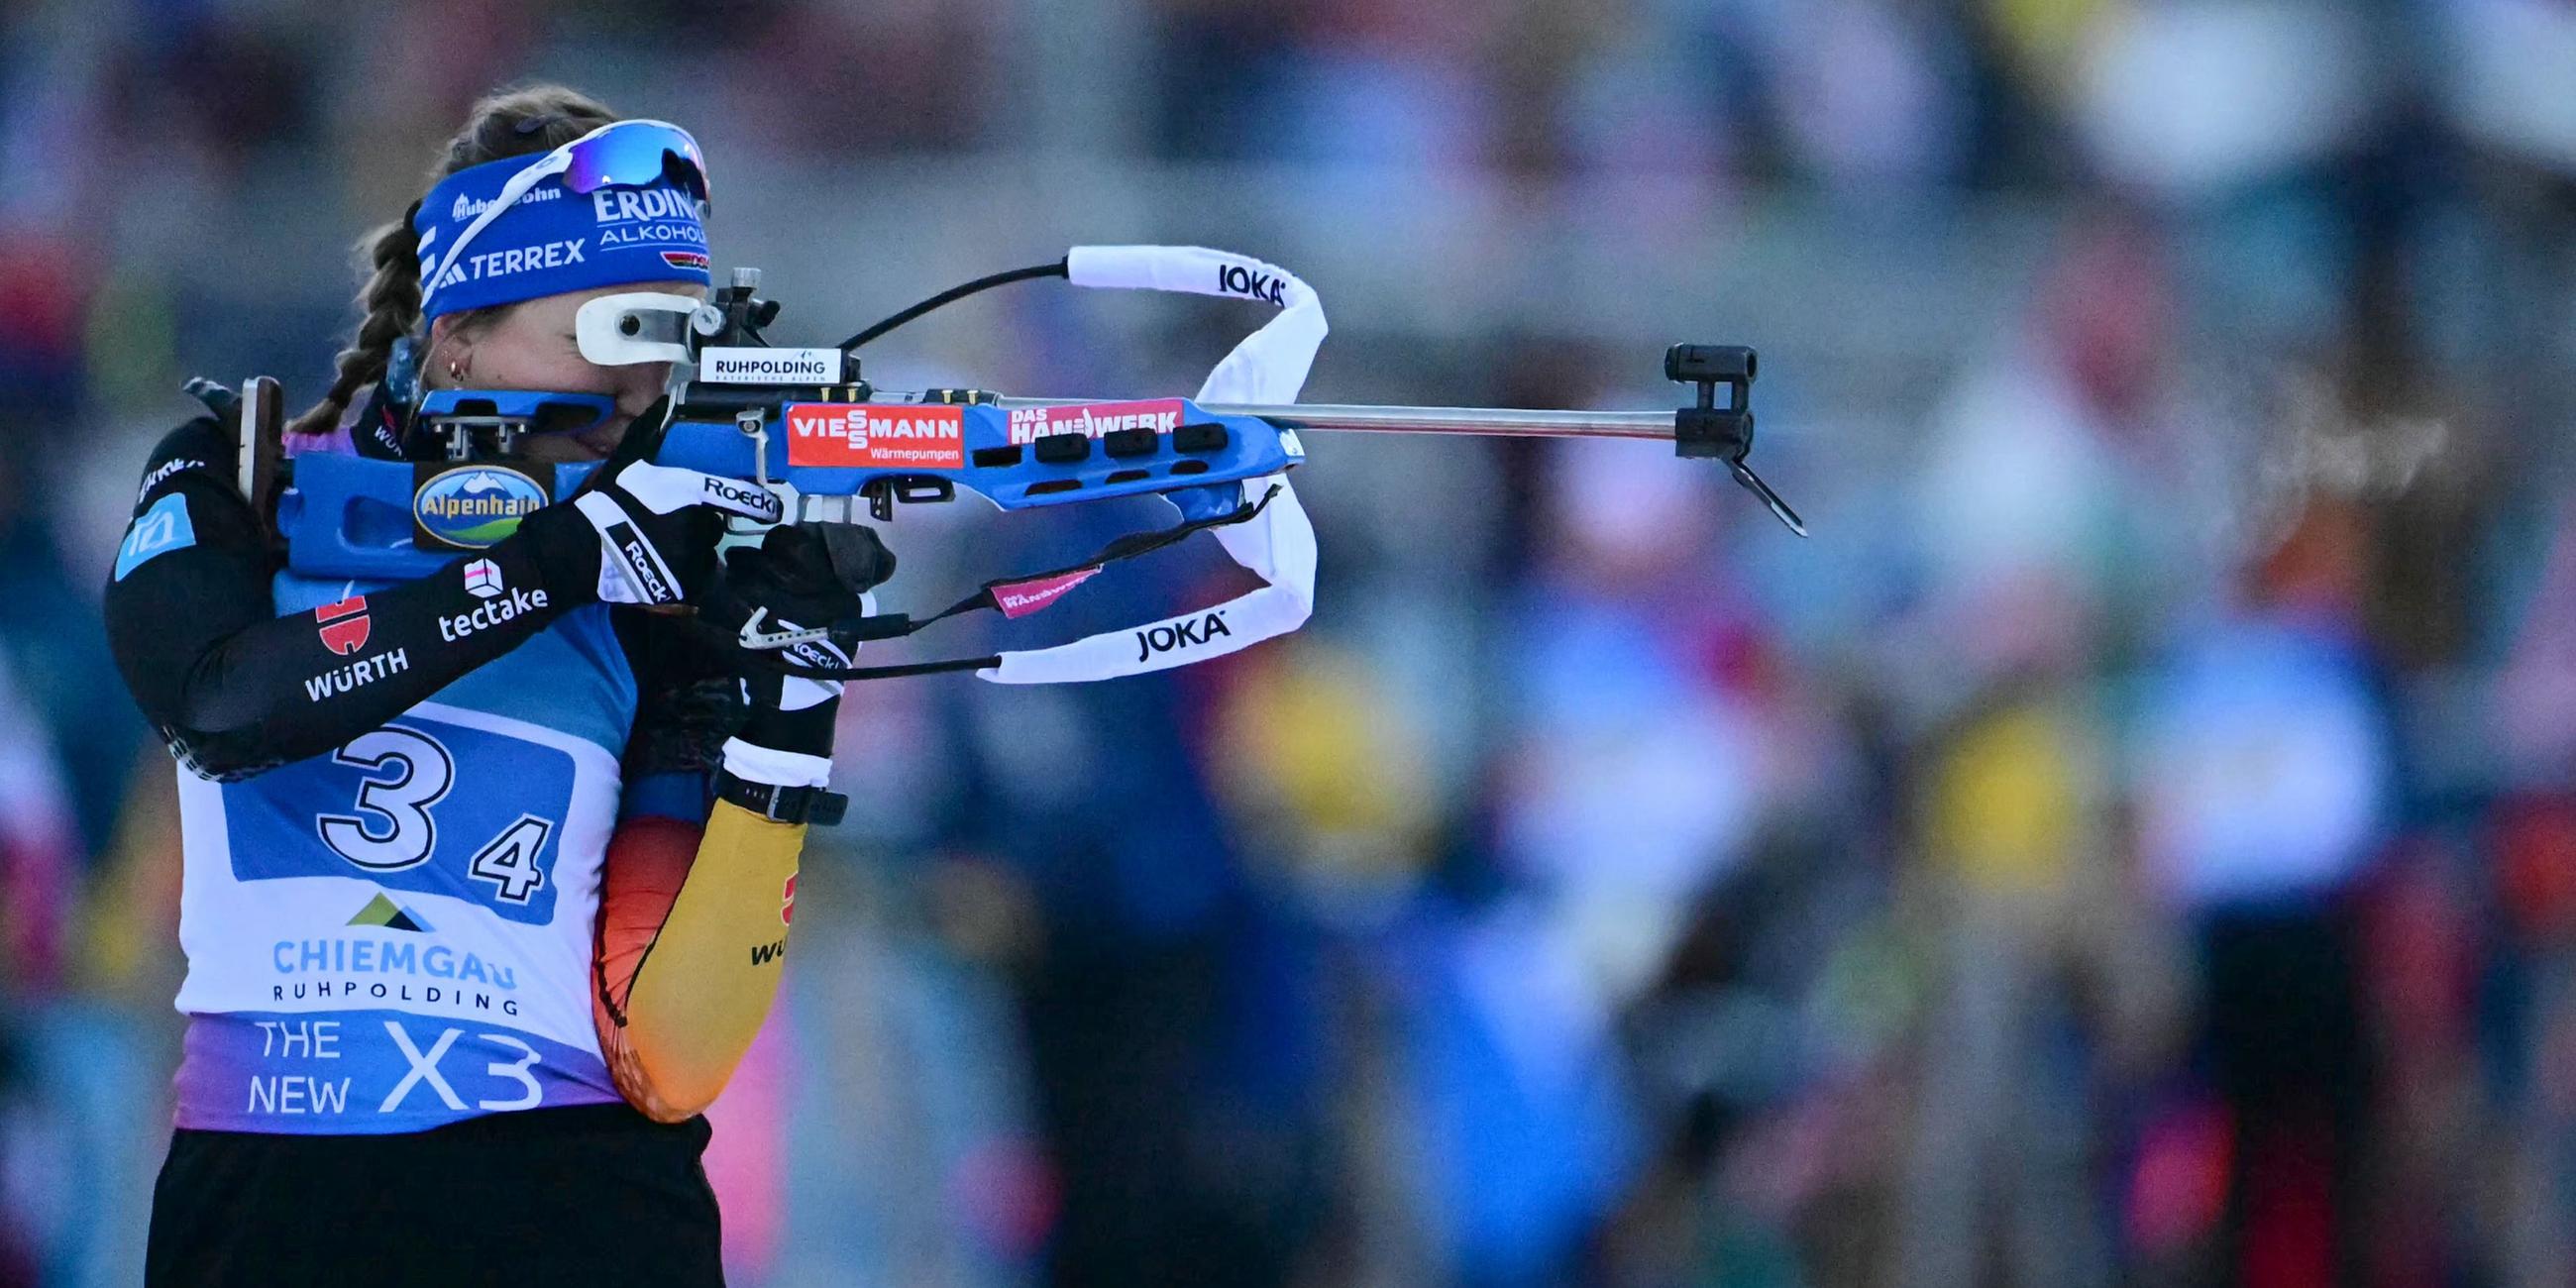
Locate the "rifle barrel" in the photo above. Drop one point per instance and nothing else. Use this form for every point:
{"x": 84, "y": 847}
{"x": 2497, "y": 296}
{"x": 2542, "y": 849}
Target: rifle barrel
{"x": 1509, "y": 422}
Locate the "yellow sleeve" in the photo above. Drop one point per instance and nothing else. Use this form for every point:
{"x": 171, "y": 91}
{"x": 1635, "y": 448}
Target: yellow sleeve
{"x": 692, "y": 939}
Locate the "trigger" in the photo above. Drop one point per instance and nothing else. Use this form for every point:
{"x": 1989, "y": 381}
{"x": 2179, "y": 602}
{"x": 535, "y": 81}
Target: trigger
{"x": 758, "y": 640}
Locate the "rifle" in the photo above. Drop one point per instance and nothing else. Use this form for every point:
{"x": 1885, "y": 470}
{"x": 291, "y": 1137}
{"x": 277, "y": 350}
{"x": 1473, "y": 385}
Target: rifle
{"x": 805, "y": 423}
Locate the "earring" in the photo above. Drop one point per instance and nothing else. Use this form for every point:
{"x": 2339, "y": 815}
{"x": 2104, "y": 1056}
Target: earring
{"x": 454, "y": 372}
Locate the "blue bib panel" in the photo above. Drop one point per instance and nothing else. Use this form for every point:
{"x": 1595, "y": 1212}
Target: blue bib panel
{"x": 396, "y": 934}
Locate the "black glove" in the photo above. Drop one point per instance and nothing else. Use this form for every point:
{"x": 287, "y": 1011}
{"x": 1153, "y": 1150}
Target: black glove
{"x": 811, "y": 574}
{"x": 658, "y": 524}
{"x": 801, "y": 577}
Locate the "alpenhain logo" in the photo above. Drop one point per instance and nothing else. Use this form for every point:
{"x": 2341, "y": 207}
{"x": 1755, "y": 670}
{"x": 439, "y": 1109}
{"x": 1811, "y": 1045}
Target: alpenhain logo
{"x": 344, "y": 627}
{"x": 787, "y": 902}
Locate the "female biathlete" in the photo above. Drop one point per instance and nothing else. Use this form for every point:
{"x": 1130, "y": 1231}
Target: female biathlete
{"x": 477, "y": 920}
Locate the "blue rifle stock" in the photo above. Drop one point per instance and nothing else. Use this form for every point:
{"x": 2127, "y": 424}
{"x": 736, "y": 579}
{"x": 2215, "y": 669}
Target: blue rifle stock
{"x": 355, "y": 517}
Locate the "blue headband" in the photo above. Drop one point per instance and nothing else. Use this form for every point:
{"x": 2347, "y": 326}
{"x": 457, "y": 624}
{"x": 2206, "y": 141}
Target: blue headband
{"x": 553, "y": 239}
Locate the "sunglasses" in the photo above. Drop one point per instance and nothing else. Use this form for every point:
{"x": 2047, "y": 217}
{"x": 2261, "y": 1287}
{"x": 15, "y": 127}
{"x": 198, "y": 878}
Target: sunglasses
{"x": 628, "y": 153}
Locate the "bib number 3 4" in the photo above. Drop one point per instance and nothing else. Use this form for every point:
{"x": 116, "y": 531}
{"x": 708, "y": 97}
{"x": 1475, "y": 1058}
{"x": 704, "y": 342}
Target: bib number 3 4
{"x": 406, "y": 774}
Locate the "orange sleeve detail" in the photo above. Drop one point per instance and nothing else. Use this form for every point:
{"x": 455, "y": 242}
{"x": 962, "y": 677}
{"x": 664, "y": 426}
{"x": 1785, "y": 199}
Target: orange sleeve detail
{"x": 692, "y": 939}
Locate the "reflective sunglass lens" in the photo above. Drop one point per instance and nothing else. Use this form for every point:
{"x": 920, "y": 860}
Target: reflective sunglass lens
{"x": 635, "y": 157}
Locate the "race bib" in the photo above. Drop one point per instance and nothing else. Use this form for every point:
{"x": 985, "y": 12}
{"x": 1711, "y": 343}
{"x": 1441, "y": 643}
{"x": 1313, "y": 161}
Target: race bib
{"x": 420, "y": 805}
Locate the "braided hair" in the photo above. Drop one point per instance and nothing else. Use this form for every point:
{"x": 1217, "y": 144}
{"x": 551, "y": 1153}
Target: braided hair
{"x": 519, "y": 122}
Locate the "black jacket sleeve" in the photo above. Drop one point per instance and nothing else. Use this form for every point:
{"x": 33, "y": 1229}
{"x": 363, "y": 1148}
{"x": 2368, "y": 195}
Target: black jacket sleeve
{"x": 234, "y": 688}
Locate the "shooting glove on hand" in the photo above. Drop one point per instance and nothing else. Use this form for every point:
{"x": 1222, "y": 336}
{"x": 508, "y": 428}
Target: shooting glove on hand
{"x": 658, "y": 527}
{"x": 800, "y": 576}
{"x": 658, "y": 524}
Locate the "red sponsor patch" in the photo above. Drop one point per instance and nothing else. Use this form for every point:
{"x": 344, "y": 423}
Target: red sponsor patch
{"x": 876, "y": 436}
{"x": 787, "y": 902}
{"x": 1029, "y": 424}
{"x": 1021, "y": 598}
{"x": 344, "y": 626}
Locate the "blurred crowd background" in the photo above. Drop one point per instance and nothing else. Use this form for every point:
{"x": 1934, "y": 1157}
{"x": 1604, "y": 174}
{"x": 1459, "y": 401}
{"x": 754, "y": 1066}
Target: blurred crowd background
{"x": 2133, "y": 842}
